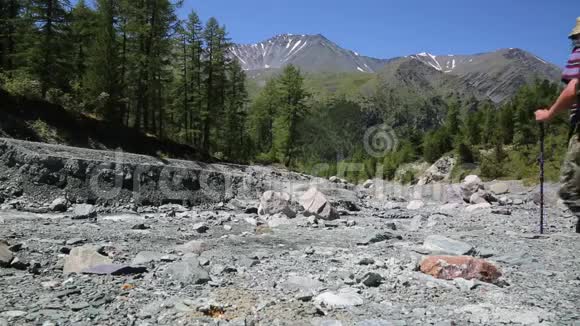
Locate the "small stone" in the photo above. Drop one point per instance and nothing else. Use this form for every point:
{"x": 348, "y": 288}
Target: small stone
{"x": 342, "y": 299}
{"x": 477, "y": 207}
{"x": 350, "y": 223}
{"x": 251, "y": 210}
{"x": 380, "y": 237}
{"x": 227, "y": 227}
{"x": 19, "y": 264}
{"x": 368, "y": 184}
{"x": 366, "y": 261}
{"x": 79, "y": 306}
{"x": 500, "y": 211}
{"x": 194, "y": 246}
{"x": 140, "y": 226}
{"x": 415, "y": 205}
{"x": 372, "y": 279}
{"x": 74, "y": 241}
{"x": 200, "y": 227}
{"x": 452, "y": 267}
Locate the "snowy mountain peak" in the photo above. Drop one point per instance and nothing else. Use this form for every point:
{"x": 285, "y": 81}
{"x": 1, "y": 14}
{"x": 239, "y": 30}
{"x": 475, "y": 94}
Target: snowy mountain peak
{"x": 309, "y": 52}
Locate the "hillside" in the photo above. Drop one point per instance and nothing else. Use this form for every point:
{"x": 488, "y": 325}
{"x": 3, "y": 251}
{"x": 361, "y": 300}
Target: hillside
{"x": 40, "y": 121}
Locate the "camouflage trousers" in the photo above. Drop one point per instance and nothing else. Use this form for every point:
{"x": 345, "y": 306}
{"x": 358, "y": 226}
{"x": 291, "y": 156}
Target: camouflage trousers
{"x": 570, "y": 179}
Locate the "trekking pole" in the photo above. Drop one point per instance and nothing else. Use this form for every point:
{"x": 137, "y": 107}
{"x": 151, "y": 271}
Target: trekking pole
{"x": 541, "y": 178}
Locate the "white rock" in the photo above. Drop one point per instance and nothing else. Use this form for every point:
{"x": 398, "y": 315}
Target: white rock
{"x": 315, "y": 203}
{"x": 449, "y": 207}
{"x": 342, "y": 299}
{"x": 81, "y": 258}
{"x": 415, "y": 205}
{"x": 273, "y": 202}
{"x": 476, "y": 207}
{"x": 499, "y": 188}
{"x": 471, "y": 184}
{"x": 368, "y": 184}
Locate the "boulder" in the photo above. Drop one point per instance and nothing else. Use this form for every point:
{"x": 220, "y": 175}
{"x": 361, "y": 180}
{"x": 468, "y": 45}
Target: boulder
{"x": 500, "y": 188}
{"x": 439, "y": 244}
{"x": 477, "y": 198}
{"x": 6, "y": 255}
{"x": 84, "y": 257}
{"x": 59, "y": 205}
{"x": 334, "y": 179}
{"x": 273, "y": 202}
{"x": 188, "y": 271}
{"x": 315, "y": 203}
{"x": 471, "y": 185}
{"x": 84, "y": 211}
{"x": 439, "y": 171}
{"x": 452, "y": 267}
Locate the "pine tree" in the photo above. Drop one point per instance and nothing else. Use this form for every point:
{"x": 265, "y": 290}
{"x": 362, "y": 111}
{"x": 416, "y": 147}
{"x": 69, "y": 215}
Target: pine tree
{"x": 104, "y": 77}
{"x": 83, "y": 31}
{"x": 292, "y": 110}
{"x": 10, "y": 11}
{"x": 50, "y": 59}
{"x": 263, "y": 111}
{"x": 236, "y": 115}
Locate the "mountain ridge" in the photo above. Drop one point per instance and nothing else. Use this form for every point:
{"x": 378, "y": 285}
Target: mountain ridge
{"x": 496, "y": 74}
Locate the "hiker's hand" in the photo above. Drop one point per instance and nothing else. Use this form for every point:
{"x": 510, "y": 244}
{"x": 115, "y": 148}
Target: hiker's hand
{"x": 543, "y": 115}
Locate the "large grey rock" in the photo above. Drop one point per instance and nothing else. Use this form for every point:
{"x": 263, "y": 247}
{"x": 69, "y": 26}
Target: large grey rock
{"x": 188, "y": 271}
{"x": 84, "y": 211}
{"x": 439, "y": 171}
{"x": 471, "y": 184}
{"x": 438, "y": 244}
{"x": 81, "y": 258}
{"x": 59, "y": 205}
{"x": 477, "y": 198}
{"x": 315, "y": 203}
{"x": 273, "y": 202}
{"x": 499, "y": 188}
{"x": 341, "y": 299}
{"x": 6, "y": 255}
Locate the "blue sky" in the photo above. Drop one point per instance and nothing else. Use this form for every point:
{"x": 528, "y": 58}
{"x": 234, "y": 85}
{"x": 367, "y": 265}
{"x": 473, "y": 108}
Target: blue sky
{"x": 385, "y": 29}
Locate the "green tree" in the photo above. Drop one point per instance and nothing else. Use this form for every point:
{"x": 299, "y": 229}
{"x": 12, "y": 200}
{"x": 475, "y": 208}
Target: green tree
{"x": 292, "y": 109}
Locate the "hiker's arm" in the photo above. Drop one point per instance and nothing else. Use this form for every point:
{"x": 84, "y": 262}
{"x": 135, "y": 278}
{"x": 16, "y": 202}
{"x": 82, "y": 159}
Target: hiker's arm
{"x": 564, "y": 102}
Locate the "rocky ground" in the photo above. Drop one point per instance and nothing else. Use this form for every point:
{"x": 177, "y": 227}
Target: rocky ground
{"x": 350, "y": 256}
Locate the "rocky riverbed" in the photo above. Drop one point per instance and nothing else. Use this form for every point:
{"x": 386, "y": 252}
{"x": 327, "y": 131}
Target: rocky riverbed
{"x": 347, "y": 255}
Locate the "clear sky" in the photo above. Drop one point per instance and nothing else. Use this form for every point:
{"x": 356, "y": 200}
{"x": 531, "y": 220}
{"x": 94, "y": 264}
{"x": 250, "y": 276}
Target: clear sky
{"x": 385, "y": 29}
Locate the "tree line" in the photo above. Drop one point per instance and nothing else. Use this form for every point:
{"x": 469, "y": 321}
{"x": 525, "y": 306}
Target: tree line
{"x": 131, "y": 62}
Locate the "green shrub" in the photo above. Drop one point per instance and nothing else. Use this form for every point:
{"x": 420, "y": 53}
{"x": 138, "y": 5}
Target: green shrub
{"x": 21, "y": 84}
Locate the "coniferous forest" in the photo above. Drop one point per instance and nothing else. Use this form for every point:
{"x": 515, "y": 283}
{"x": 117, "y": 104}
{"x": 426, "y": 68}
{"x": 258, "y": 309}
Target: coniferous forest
{"x": 137, "y": 64}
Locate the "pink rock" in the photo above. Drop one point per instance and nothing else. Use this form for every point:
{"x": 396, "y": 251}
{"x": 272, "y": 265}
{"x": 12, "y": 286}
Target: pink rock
{"x": 452, "y": 267}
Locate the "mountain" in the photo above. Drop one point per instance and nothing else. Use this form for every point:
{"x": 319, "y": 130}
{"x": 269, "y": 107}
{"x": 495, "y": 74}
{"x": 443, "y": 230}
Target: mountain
{"x": 498, "y": 74}
{"x": 494, "y": 75}
{"x": 312, "y": 53}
